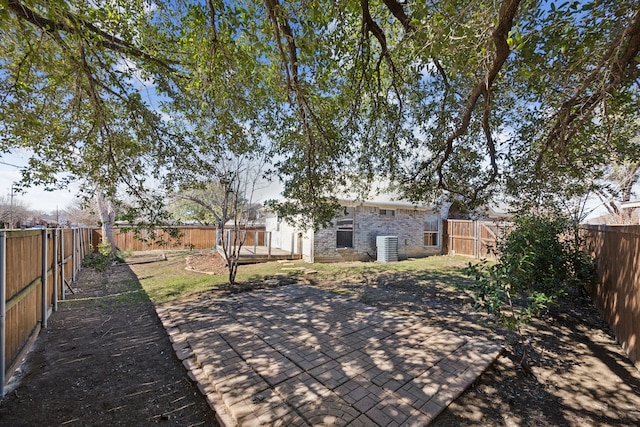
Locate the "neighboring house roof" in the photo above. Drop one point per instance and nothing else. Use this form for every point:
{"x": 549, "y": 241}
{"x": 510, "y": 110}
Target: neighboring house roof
{"x": 599, "y": 220}
{"x": 257, "y": 223}
{"x": 497, "y": 211}
{"x": 386, "y": 204}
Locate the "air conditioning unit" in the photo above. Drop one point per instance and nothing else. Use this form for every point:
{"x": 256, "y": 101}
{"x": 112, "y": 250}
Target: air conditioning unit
{"x": 387, "y": 248}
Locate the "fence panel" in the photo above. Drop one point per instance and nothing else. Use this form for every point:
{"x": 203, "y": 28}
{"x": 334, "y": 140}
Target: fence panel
{"x": 23, "y": 307}
{"x": 30, "y": 266}
{"x": 189, "y": 237}
{"x": 472, "y": 238}
{"x": 67, "y": 254}
{"x": 617, "y": 295}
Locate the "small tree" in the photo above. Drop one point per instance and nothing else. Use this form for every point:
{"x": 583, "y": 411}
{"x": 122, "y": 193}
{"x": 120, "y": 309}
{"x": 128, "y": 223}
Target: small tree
{"x": 617, "y": 189}
{"x": 225, "y": 197}
{"x": 81, "y": 212}
{"x": 107, "y": 213}
{"x": 539, "y": 261}
{"x": 13, "y": 211}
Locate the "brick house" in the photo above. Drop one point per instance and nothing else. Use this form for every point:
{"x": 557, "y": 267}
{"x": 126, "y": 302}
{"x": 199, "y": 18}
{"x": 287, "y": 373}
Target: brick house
{"x": 352, "y": 235}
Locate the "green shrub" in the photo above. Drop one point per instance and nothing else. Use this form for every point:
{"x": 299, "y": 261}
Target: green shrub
{"x": 99, "y": 260}
{"x": 539, "y": 261}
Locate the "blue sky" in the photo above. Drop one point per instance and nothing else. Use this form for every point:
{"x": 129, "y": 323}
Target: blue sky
{"x": 36, "y": 198}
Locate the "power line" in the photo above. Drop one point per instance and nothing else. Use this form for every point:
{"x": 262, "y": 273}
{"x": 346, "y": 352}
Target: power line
{"x": 9, "y": 164}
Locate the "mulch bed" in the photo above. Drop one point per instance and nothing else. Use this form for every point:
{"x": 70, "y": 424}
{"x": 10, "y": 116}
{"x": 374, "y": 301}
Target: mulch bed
{"x": 207, "y": 263}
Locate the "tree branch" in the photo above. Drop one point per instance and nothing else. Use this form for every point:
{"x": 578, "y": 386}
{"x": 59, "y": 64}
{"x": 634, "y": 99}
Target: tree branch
{"x": 109, "y": 41}
{"x": 398, "y": 11}
{"x": 506, "y": 15}
{"x": 616, "y": 61}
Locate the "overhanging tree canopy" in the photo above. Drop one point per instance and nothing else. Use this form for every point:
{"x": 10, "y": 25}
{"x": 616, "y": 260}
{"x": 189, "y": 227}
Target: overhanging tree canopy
{"x": 445, "y": 96}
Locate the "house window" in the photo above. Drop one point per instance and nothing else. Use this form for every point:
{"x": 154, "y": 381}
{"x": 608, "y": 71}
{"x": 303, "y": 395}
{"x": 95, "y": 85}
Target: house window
{"x": 344, "y": 235}
{"x": 387, "y": 212}
{"x": 431, "y": 230}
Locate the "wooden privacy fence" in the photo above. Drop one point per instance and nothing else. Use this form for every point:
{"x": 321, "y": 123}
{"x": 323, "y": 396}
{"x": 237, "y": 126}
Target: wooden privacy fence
{"x": 188, "y": 237}
{"x": 617, "y": 295}
{"x": 472, "y": 238}
{"x": 36, "y": 266}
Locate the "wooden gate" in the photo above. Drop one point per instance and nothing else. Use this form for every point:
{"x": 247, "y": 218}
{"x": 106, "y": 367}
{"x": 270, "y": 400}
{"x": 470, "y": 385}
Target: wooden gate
{"x": 477, "y": 239}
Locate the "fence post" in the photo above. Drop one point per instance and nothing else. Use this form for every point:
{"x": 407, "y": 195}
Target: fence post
{"x": 55, "y": 269}
{"x": 475, "y": 239}
{"x": 269, "y": 249}
{"x": 450, "y": 238}
{"x": 44, "y": 278}
{"x": 3, "y": 300}
{"x": 80, "y": 247}
{"x": 73, "y": 254}
{"x": 62, "y": 264}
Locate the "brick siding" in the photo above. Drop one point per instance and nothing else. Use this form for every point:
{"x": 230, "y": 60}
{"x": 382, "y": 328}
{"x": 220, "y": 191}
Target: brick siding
{"x": 407, "y": 224}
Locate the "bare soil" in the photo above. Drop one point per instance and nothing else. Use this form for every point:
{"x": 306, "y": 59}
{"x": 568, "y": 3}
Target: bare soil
{"x": 108, "y": 360}
{"x": 207, "y": 262}
{"x": 104, "y": 360}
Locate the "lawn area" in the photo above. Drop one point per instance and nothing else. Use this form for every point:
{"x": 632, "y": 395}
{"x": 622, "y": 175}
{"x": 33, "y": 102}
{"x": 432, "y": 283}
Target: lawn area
{"x": 165, "y": 281}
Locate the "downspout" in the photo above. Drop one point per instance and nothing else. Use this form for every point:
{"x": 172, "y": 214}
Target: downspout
{"x": 312, "y": 247}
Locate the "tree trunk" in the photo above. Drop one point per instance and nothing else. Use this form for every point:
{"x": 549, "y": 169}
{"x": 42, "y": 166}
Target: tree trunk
{"x": 107, "y": 213}
{"x": 233, "y": 270}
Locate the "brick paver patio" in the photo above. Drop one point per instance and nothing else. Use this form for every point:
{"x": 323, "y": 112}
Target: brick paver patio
{"x": 299, "y": 356}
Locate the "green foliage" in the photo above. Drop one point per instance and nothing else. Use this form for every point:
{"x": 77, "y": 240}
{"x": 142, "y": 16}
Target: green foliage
{"x": 104, "y": 249}
{"x": 539, "y": 261}
{"x": 99, "y": 260}
{"x": 431, "y": 97}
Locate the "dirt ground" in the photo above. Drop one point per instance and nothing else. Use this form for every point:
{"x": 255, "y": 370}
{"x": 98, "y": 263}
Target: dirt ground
{"x": 109, "y": 362}
{"x": 104, "y": 360}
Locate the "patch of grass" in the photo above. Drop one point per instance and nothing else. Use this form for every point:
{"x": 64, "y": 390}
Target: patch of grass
{"x": 97, "y": 261}
{"x": 131, "y": 297}
{"x": 167, "y": 280}
{"x": 444, "y": 270}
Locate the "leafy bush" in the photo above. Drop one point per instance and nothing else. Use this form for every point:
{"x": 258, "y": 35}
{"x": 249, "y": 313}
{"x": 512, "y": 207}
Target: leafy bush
{"x": 100, "y": 260}
{"x": 539, "y": 261}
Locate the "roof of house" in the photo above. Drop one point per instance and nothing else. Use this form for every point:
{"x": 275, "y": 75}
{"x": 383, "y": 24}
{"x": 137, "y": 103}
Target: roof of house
{"x": 387, "y": 204}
